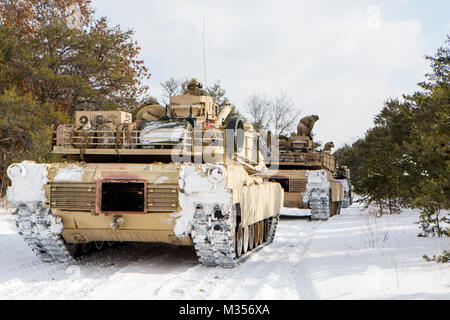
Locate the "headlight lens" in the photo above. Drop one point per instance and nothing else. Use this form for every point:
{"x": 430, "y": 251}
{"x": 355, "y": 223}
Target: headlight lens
{"x": 15, "y": 171}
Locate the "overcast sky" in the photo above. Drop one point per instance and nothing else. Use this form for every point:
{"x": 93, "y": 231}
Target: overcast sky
{"x": 338, "y": 59}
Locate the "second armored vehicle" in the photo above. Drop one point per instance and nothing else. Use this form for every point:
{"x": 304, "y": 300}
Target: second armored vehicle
{"x": 308, "y": 177}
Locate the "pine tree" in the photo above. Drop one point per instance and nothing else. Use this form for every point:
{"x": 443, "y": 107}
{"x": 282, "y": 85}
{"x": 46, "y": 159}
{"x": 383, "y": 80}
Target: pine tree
{"x": 429, "y": 146}
{"x": 82, "y": 66}
{"x": 405, "y": 157}
{"x": 25, "y": 130}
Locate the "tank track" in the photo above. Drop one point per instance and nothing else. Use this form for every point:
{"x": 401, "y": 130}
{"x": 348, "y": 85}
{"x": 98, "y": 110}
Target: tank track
{"x": 346, "y": 201}
{"x": 41, "y": 230}
{"x": 320, "y": 208}
{"x": 273, "y": 229}
{"x": 213, "y": 235}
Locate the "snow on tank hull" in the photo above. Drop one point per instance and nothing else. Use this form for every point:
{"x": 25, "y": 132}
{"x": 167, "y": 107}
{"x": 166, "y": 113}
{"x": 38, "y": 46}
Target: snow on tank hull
{"x": 218, "y": 208}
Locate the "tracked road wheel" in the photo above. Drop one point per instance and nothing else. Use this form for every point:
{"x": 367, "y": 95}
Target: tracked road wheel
{"x": 266, "y": 230}
{"x": 245, "y": 240}
{"x": 251, "y": 237}
{"x": 239, "y": 241}
{"x": 261, "y": 232}
{"x": 257, "y": 233}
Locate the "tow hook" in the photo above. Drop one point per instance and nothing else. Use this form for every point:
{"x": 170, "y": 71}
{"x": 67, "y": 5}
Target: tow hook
{"x": 116, "y": 223}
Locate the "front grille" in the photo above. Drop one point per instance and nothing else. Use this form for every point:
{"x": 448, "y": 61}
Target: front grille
{"x": 297, "y": 185}
{"x": 82, "y": 197}
{"x": 72, "y": 196}
{"x": 162, "y": 198}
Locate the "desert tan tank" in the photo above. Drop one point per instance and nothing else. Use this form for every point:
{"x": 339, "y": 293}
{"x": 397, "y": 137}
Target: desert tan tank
{"x": 184, "y": 174}
{"x": 308, "y": 177}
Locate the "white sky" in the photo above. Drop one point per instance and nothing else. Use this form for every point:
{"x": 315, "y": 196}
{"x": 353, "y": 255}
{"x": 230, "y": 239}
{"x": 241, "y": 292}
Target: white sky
{"x": 337, "y": 59}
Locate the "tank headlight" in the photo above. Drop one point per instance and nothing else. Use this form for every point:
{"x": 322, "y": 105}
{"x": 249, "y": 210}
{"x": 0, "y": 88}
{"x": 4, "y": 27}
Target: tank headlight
{"x": 16, "y": 171}
{"x": 84, "y": 119}
{"x": 216, "y": 174}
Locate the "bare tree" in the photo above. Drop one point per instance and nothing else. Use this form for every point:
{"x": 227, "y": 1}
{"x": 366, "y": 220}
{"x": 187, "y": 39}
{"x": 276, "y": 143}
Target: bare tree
{"x": 170, "y": 88}
{"x": 278, "y": 114}
{"x": 218, "y": 93}
{"x": 283, "y": 114}
{"x": 258, "y": 110}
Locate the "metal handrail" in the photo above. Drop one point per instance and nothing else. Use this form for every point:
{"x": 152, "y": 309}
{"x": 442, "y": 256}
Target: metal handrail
{"x": 109, "y": 138}
{"x": 119, "y": 140}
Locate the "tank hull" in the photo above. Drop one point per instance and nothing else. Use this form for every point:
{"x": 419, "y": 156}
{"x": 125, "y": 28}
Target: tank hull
{"x": 140, "y": 202}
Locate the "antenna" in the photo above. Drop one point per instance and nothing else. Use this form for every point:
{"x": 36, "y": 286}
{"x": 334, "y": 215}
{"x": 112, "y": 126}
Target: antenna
{"x": 314, "y": 104}
{"x": 204, "y": 55}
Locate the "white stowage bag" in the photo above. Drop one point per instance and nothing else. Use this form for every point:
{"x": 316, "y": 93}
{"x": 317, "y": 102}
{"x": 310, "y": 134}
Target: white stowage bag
{"x": 27, "y": 182}
{"x": 160, "y": 132}
{"x": 316, "y": 184}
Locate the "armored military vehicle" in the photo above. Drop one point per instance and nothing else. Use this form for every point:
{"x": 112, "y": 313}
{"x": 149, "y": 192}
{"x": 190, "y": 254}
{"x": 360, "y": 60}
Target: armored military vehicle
{"x": 308, "y": 177}
{"x": 184, "y": 174}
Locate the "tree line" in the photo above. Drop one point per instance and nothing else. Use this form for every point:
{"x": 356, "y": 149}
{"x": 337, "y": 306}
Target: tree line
{"x": 403, "y": 160}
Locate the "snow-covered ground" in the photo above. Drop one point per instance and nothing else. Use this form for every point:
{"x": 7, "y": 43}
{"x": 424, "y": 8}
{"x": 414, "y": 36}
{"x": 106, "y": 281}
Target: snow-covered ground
{"x": 352, "y": 256}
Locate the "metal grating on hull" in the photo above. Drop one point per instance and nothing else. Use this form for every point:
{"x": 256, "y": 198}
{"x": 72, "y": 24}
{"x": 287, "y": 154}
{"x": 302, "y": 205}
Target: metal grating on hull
{"x": 72, "y": 196}
{"x": 297, "y": 185}
{"x": 162, "y": 198}
{"x": 82, "y": 197}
